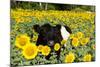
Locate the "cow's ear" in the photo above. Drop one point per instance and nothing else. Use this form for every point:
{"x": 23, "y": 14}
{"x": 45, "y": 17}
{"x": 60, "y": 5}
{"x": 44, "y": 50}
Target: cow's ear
{"x": 58, "y": 26}
{"x": 68, "y": 29}
{"x": 36, "y": 28}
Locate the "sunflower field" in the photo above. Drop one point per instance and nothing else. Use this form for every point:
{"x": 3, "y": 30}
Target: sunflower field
{"x": 80, "y": 46}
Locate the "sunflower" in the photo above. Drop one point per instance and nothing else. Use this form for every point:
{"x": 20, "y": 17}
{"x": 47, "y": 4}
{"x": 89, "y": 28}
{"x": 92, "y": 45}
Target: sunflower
{"x": 40, "y": 47}
{"x": 63, "y": 42}
{"x": 69, "y": 58}
{"x": 46, "y": 50}
{"x": 84, "y": 41}
{"x": 75, "y": 42}
{"x": 87, "y": 58}
{"x": 30, "y": 51}
{"x": 56, "y": 46}
{"x": 71, "y": 36}
{"x": 34, "y": 38}
{"x": 79, "y": 35}
{"x": 22, "y": 40}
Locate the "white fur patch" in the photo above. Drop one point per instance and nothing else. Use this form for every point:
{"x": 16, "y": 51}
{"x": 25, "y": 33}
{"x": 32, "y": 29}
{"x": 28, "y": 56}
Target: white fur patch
{"x": 65, "y": 34}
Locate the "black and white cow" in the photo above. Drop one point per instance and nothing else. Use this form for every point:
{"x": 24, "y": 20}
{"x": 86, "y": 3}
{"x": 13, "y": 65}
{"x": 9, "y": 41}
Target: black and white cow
{"x": 49, "y": 35}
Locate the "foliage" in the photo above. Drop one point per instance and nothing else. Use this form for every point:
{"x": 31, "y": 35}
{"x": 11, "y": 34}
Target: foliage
{"x": 50, "y": 6}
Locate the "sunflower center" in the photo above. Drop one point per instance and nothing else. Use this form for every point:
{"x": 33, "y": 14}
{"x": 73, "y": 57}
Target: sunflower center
{"x": 46, "y": 51}
{"x": 87, "y": 58}
{"x": 22, "y": 41}
{"x": 75, "y": 41}
{"x": 40, "y": 48}
{"x": 84, "y": 41}
{"x": 30, "y": 51}
{"x": 69, "y": 59}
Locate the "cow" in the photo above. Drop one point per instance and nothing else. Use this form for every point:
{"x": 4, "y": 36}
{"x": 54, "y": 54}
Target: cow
{"x": 50, "y": 35}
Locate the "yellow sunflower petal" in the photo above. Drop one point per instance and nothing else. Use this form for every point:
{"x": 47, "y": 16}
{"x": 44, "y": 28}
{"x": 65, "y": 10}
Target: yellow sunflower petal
{"x": 87, "y": 58}
{"x": 84, "y": 41}
{"x": 72, "y": 36}
{"x": 79, "y": 35}
{"x": 69, "y": 58}
{"x": 63, "y": 42}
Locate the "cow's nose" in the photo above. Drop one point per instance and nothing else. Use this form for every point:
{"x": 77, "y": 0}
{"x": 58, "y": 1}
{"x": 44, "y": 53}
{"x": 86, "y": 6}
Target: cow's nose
{"x": 51, "y": 43}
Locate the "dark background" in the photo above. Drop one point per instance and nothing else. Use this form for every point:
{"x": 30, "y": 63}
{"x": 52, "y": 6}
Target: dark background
{"x": 50, "y": 6}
